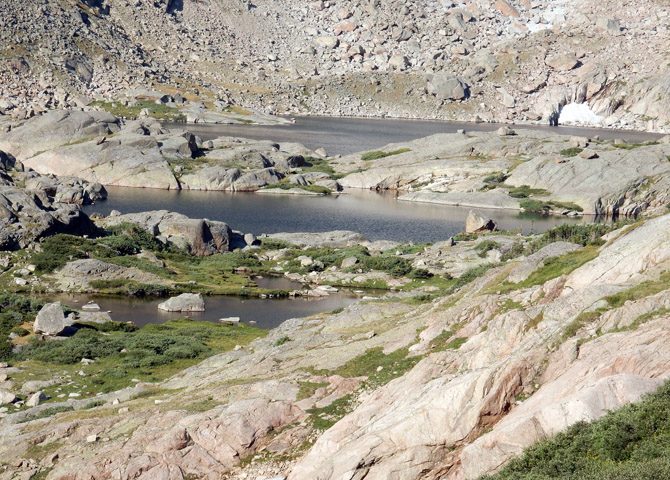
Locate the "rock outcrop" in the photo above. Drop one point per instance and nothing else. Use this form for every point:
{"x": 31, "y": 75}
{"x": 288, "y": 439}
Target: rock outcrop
{"x": 200, "y": 236}
{"x": 56, "y": 128}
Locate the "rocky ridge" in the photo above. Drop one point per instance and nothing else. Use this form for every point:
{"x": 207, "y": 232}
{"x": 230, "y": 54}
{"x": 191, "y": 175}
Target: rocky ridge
{"x": 477, "y": 59}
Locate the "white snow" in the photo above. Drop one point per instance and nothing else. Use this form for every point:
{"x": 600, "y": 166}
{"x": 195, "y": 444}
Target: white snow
{"x": 578, "y": 113}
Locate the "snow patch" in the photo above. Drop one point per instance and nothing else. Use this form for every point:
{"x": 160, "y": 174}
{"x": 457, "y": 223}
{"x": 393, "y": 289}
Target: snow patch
{"x": 578, "y": 113}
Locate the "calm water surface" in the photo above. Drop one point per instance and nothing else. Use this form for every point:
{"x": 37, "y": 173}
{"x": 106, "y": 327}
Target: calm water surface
{"x": 377, "y": 216}
{"x": 341, "y": 136}
{"x": 266, "y": 312}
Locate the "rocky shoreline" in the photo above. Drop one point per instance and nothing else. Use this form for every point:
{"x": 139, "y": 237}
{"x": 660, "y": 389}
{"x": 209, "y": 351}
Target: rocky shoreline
{"x": 518, "y": 170}
{"x": 482, "y": 340}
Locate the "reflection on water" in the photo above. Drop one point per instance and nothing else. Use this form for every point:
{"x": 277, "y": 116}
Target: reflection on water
{"x": 377, "y": 216}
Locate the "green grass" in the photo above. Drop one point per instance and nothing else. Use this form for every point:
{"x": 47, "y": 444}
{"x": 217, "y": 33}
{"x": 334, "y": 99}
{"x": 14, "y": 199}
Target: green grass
{"x": 377, "y": 154}
{"x": 553, "y": 267}
{"x": 186, "y": 164}
{"x": 307, "y": 389}
{"x": 150, "y": 354}
{"x": 469, "y": 276}
{"x": 161, "y": 111}
{"x": 630, "y": 443}
{"x": 495, "y": 178}
{"x": 314, "y": 164}
{"x": 47, "y": 412}
{"x": 571, "y": 152}
{"x": 325, "y": 417}
{"x": 486, "y": 246}
{"x": 445, "y": 341}
{"x": 524, "y": 191}
{"x": 631, "y": 146}
{"x": 642, "y": 290}
{"x": 309, "y": 188}
{"x": 544, "y": 206}
{"x": 393, "y": 366}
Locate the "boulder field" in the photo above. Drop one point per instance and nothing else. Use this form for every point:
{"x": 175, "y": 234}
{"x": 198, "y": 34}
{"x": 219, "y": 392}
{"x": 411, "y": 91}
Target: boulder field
{"x": 520, "y": 353}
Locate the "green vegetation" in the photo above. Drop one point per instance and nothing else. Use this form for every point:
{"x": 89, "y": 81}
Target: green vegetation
{"x": 465, "y": 237}
{"x": 275, "y": 244}
{"x": 631, "y": 146}
{"x": 393, "y": 365}
{"x": 553, "y": 267}
{"x": 325, "y": 417}
{"x": 47, "y": 412}
{"x": 314, "y": 164}
{"x": 444, "y": 341}
{"x": 571, "y": 152}
{"x": 281, "y": 341}
{"x": 630, "y": 443}
{"x": 495, "y": 178}
{"x": 307, "y": 389}
{"x": 182, "y": 271}
{"x": 184, "y": 165}
{"x": 524, "y": 191}
{"x": 469, "y": 276}
{"x": 160, "y": 110}
{"x": 377, "y": 154}
{"x": 639, "y": 291}
{"x": 326, "y": 257}
{"x": 544, "y": 206}
{"x": 123, "y": 352}
{"x": 486, "y": 246}
{"x": 15, "y": 310}
{"x": 309, "y": 188}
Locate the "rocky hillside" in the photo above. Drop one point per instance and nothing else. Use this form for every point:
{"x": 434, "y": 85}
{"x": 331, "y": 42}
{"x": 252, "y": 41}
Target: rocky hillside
{"x": 520, "y": 60}
{"x": 414, "y": 385}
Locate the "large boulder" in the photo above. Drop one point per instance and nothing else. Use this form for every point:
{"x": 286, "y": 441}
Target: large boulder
{"x": 186, "y": 302}
{"x": 6, "y": 397}
{"x": 50, "y": 319}
{"x": 476, "y": 223}
{"x": 447, "y": 87}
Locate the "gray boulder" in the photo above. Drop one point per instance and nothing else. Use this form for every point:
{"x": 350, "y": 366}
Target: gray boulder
{"x": 200, "y": 236}
{"x": 50, "y": 319}
{"x": 6, "y": 397}
{"x": 476, "y": 223}
{"x": 447, "y": 87}
{"x": 186, "y": 302}
{"x": 35, "y": 399}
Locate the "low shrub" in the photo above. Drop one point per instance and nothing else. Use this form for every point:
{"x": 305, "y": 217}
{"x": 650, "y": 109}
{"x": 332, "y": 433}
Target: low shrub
{"x": 377, "y": 154}
{"x": 630, "y": 443}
